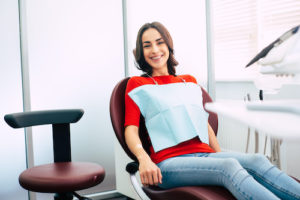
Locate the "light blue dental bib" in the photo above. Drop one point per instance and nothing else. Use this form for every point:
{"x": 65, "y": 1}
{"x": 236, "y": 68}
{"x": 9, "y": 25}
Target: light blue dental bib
{"x": 173, "y": 113}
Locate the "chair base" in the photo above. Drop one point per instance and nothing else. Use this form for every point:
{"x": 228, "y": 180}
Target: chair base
{"x": 69, "y": 196}
{"x": 80, "y": 197}
{"x": 189, "y": 192}
{"x": 63, "y": 196}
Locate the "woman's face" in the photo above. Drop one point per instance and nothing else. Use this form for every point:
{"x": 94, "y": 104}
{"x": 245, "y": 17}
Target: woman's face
{"x": 156, "y": 52}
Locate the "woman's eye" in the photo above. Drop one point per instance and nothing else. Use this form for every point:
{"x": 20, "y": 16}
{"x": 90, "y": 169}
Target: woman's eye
{"x": 146, "y": 46}
{"x": 161, "y": 42}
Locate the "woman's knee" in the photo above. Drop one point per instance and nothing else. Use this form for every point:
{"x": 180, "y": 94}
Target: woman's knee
{"x": 257, "y": 163}
{"x": 230, "y": 164}
{"x": 234, "y": 171}
{"x": 257, "y": 159}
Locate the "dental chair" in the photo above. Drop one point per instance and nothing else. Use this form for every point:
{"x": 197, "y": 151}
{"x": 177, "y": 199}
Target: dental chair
{"x": 117, "y": 114}
{"x": 63, "y": 177}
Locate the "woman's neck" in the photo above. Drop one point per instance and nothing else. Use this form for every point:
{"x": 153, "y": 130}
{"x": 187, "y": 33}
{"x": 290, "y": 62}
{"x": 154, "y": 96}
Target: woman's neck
{"x": 160, "y": 73}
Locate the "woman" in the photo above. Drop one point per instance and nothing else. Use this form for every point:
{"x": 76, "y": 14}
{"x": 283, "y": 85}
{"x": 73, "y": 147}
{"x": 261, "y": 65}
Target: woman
{"x": 178, "y": 143}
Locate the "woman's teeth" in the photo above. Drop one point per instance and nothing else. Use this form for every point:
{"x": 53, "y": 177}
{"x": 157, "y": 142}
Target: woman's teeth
{"x": 156, "y": 57}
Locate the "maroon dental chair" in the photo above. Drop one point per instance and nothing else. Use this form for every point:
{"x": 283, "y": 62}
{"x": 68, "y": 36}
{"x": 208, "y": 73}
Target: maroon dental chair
{"x": 117, "y": 114}
{"x": 63, "y": 177}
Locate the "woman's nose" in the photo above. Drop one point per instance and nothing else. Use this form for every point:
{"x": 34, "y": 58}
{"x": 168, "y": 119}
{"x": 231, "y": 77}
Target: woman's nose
{"x": 155, "y": 48}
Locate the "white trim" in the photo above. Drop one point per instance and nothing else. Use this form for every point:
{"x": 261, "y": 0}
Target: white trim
{"x": 234, "y": 80}
{"x": 26, "y": 85}
{"x": 210, "y": 51}
{"x": 138, "y": 188}
{"x": 125, "y": 37}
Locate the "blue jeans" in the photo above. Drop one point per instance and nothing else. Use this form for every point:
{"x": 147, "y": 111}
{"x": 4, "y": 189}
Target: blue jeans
{"x": 246, "y": 176}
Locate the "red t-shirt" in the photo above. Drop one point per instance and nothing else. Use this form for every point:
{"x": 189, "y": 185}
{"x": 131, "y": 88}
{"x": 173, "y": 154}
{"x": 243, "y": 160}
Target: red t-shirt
{"x": 132, "y": 117}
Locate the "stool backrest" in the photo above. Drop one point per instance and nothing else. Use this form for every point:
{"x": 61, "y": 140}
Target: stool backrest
{"x": 60, "y": 121}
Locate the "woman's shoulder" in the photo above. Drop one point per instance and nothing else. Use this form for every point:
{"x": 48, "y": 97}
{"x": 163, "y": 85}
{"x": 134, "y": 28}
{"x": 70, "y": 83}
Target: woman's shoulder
{"x": 188, "y": 78}
{"x": 136, "y": 81}
{"x": 136, "y": 78}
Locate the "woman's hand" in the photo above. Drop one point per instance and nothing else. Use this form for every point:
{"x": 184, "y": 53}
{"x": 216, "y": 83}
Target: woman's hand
{"x": 149, "y": 172}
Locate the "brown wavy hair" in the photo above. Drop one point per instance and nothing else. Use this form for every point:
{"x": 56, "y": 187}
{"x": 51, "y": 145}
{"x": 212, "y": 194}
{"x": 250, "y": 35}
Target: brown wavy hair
{"x": 138, "y": 52}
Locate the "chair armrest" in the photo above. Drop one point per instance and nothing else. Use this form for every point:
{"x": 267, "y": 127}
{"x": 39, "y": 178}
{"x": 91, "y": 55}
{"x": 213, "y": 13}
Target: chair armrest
{"x": 34, "y": 118}
{"x": 132, "y": 167}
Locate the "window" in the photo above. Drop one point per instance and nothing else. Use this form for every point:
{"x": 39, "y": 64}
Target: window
{"x": 243, "y": 28}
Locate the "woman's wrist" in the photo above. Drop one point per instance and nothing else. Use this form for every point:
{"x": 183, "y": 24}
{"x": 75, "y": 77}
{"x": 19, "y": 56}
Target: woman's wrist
{"x": 142, "y": 157}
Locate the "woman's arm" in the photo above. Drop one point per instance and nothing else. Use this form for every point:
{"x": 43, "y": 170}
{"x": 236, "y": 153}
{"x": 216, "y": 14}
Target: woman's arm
{"x": 213, "y": 142}
{"x": 149, "y": 172}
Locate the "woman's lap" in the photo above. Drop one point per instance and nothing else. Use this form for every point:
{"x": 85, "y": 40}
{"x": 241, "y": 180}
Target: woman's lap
{"x": 204, "y": 165}
{"x": 228, "y": 169}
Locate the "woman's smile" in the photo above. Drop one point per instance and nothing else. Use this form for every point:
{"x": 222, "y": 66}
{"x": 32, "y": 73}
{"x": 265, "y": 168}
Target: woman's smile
{"x": 156, "y": 58}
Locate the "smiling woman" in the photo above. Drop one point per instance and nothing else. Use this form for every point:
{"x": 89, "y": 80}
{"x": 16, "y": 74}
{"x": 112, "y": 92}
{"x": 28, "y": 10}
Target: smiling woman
{"x": 154, "y": 50}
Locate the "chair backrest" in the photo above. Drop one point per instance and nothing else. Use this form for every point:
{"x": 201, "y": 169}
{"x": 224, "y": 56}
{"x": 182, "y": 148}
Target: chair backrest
{"x": 117, "y": 115}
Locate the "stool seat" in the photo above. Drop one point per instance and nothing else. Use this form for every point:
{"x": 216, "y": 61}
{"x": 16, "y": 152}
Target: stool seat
{"x": 55, "y": 177}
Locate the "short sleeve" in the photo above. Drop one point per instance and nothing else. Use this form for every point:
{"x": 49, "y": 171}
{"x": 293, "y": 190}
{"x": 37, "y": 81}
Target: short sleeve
{"x": 132, "y": 111}
{"x": 189, "y": 78}
{"x": 193, "y": 79}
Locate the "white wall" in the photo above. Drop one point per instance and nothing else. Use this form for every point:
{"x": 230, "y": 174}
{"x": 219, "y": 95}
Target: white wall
{"x": 12, "y": 143}
{"x": 75, "y": 59}
{"x": 232, "y": 135}
{"x": 75, "y": 53}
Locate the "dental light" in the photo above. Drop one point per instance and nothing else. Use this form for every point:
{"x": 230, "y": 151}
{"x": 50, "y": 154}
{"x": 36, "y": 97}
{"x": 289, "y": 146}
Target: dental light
{"x": 279, "y": 62}
{"x": 282, "y": 59}
{"x": 281, "y": 56}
